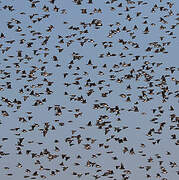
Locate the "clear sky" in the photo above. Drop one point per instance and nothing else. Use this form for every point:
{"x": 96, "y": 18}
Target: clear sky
{"x": 52, "y": 76}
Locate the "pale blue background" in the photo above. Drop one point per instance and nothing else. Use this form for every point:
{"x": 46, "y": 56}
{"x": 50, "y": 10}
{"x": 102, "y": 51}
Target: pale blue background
{"x": 41, "y": 115}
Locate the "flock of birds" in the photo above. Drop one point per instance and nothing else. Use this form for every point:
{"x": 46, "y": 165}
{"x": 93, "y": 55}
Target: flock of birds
{"x": 87, "y": 91}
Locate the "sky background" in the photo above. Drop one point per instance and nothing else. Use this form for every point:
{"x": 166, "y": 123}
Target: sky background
{"x": 41, "y": 115}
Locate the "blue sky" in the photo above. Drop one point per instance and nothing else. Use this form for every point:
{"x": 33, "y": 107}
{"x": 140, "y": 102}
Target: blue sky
{"x": 152, "y": 142}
